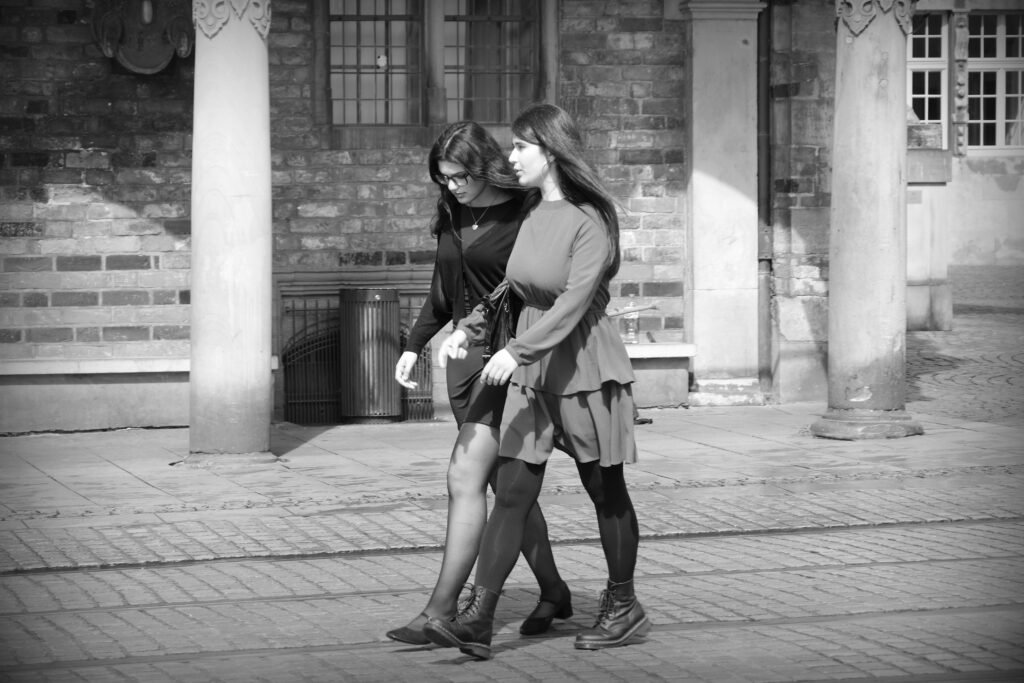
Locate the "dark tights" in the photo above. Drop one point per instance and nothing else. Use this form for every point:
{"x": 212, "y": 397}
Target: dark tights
{"x": 472, "y": 465}
{"x": 518, "y": 486}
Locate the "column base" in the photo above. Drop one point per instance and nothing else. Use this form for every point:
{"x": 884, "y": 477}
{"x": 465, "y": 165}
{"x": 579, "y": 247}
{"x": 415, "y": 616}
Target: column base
{"x": 852, "y": 425}
{"x": 226, "y": 461}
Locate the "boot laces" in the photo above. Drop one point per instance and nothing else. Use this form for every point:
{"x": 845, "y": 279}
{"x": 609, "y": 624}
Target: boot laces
{"x": 605, "y": 607}
{"x": 465, "y": 600}
{"x": 469, "y": 606}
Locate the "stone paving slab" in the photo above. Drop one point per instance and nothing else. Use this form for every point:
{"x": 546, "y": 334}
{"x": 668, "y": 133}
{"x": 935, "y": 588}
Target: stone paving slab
{"x": 932, "y": 649}
{"x": 723, "y": 561}
{"x": 996, "y": 496}
{"x": 859, "y": 604}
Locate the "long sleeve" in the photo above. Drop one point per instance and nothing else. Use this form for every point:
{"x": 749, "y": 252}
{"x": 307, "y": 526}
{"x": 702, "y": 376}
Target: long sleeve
{"x": 565, "y": 343}
{"x": 434, "y": 314}
{"x": 466, "y": 271}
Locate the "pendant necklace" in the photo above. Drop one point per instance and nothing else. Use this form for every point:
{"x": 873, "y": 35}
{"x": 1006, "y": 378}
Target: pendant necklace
{"x": 476, "y": 221}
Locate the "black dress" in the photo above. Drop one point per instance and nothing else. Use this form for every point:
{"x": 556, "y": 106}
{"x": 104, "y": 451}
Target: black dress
{"x": 468, "y": 265}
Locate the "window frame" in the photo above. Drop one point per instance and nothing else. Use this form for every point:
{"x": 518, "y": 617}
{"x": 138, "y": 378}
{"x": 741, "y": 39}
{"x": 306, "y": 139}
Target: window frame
{"x": 434, "y": 118}
{"x": 928, "y": 65}
{"x": 998, "y": 67}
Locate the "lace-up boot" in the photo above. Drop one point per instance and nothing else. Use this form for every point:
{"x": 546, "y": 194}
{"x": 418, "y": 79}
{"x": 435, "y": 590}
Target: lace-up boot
{"x": 471, "y": 629}
{"x": 620, "y": 621}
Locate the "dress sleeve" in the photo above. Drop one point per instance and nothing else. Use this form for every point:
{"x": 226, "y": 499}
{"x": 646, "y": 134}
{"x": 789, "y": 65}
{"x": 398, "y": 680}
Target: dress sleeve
{"x": 435, "y": 313}
{"x": 588, "y": 263}
{"x": 474, "y": 324}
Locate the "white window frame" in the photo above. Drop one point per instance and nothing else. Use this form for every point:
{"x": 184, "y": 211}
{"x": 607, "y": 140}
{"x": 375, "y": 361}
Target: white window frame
{"x": 931, "y": 64}
{"x": 998, "y": 66}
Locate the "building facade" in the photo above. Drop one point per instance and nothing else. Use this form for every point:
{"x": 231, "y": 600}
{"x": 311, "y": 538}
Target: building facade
{"x": 709, "y": 120}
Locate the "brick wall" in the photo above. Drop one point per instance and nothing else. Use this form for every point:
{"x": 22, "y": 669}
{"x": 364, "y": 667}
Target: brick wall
{"x": 623, "y": 78}
{"x": 802, "y": 94}
{"x": 95, "y": 166}
{"x": 367, "y": 205}
{"x": 94, "y": 193}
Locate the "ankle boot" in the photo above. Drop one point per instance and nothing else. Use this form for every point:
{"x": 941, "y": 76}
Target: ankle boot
{"x": 620, "y": 620}
{"x": 471, "y": 629}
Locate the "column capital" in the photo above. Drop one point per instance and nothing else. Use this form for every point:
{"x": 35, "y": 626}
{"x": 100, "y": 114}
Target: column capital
{"x": 210, "y": 16}
{"x": 713, "y": 9}
{"x": 857, "y": 14}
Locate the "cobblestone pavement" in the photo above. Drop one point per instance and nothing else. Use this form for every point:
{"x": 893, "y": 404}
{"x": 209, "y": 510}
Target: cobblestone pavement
{"x": 976, "y": 370}
{"x": 767, "y": 555}
{"x": 921, "y": 602}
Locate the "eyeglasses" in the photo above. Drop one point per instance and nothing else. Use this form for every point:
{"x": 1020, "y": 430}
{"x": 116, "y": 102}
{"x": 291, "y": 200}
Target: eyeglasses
{"x": 460, "y": 179}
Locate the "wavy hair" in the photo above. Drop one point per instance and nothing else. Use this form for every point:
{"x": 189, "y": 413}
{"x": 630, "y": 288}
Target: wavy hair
{"x": 468, "y": 144}
{"x": 553, "y": 129}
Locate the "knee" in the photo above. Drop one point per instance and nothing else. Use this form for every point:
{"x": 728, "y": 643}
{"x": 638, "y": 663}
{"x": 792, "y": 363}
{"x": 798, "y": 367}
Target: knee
{"x": 464, "y": 479}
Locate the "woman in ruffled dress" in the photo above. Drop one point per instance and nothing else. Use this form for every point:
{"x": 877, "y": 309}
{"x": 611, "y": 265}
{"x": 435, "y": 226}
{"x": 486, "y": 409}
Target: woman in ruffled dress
{"x": 479, "y": 213}
{"x": 570, "y": 383}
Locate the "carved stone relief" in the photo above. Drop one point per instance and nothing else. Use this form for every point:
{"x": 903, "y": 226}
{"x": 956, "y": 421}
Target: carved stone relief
{"x": 960, "y": 38}
{"x": 857, "y": 14}
{"x": 143, "y": 35}
{"x": 211, "y": 15}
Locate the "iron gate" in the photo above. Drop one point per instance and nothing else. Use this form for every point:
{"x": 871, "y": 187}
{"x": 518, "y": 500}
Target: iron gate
{"x": 310, "y": 363}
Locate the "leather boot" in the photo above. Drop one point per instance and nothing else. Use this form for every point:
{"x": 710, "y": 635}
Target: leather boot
{"x": 471, "y": 629}
{"x": 620, "y": 620}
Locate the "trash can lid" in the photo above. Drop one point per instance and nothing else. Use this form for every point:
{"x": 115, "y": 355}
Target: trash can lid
{"x": 368, "y": 294}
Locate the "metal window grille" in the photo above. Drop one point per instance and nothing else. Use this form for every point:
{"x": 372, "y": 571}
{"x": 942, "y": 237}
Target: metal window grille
{"x": 490, "y": 58}
{"x": 311, "y": 367}
{"x": 376, "y": 62}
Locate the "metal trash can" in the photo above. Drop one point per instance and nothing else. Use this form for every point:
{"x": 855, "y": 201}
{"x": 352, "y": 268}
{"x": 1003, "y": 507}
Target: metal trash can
{"x": 368, "y": 350}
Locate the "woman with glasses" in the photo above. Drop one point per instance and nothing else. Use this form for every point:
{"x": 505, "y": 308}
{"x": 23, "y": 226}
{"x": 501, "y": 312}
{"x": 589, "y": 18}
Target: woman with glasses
{"x": 479, "y": 211}
{"x": 570, "y": 382}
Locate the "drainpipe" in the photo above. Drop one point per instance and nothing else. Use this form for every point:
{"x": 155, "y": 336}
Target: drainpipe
{"x": 764, "y": 205}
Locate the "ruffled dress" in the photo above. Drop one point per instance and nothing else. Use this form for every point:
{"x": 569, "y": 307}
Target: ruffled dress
{"x": 572, "y": 388}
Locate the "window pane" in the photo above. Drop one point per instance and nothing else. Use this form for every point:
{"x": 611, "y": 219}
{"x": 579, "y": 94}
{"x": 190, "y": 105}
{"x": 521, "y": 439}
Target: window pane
{"x": 1014, "y": 35}
{"x": 375, "y": 48}
{"x": 988, "y": 135}
{"x": 491, "y": 51}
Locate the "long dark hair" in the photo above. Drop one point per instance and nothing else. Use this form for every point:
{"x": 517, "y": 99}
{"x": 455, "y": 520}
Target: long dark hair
{"x": 553, "y": 129}
{"x": 468, "y": 144}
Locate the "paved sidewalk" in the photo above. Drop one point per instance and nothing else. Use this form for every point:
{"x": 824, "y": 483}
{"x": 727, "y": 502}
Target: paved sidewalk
{"x": 872, "y": 591}
{"x": 109, "y": 498}
{"x": 123, "y": 497}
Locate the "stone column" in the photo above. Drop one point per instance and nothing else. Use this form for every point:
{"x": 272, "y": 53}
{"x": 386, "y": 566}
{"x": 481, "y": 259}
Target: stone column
{"x": 723, "y": 198}
{"x": 868, "y": 248}
{"x": 231, "y": 383}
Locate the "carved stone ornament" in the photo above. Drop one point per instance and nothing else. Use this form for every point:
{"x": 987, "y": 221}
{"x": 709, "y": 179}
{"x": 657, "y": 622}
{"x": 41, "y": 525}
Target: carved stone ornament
{"x": 857, "y": 14}
{"x": 212, "y": 15}
{"x": 960, "y": 38}
{"x": 143, "y": 35}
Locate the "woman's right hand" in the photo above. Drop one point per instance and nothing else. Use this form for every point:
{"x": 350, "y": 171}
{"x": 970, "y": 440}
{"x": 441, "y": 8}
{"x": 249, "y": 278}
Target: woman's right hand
{"x": 453, "y": 347}
{"x": 404, "y": 367}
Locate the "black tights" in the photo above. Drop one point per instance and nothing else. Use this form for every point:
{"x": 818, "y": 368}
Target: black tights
{"x": 518, "y": 486}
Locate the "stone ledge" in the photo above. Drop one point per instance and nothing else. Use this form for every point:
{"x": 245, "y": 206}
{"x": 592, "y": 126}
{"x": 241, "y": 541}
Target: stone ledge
{"x": 93, "y": 366}
{"x": 99, "y": 366}
{"x": 662, "y": 350}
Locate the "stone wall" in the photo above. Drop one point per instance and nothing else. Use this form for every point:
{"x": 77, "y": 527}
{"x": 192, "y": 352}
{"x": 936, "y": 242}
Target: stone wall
{"x": 95, "y": 170}
{"x": 94, "y": 194}
{"x": 623, "y": 78}
{"x": 801, "y": 89}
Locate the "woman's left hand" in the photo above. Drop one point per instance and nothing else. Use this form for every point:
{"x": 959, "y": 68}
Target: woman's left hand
{"x": 499, "y": 368}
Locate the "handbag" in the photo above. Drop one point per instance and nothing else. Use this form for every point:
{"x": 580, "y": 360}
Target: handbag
{"x": 501, "y": 311}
